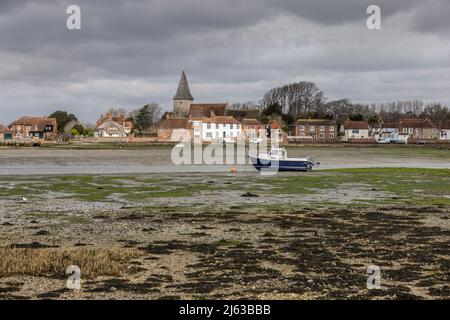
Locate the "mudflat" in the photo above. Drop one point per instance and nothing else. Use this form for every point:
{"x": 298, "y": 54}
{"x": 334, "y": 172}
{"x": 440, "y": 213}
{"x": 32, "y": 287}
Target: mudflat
{"x": 203, "y": 236}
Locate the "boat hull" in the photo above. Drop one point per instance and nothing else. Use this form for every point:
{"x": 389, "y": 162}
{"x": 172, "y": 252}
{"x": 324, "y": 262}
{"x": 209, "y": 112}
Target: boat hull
{"x": 282, "y": 165}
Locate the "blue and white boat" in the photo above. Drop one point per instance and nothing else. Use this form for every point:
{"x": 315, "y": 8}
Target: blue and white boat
{"x": 278, "y": 160}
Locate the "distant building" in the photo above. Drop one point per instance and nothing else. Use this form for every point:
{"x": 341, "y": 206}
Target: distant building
{"x": 109, "y": 126}
{"x": 111, "y": 129}
{"x": 418, "y": 128}
{"x": 5, "y": 133}
{"x": 390, "y": 133}
{"x": 183, "y": 103}
{"x": 253, "y": 129}
{"x": 355, "y": 130}
{"x": 174, "y": 129}
{"x": 216, "y": 128}
{"x": 33, "y": 127}
{"x": 183, "y": 98}
{"x": 444, "y": 130}
{"x": 316, "y": 130}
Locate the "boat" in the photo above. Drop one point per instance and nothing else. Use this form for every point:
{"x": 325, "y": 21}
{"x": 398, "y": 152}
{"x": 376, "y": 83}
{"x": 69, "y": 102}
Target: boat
{"x": 278, "y": 160}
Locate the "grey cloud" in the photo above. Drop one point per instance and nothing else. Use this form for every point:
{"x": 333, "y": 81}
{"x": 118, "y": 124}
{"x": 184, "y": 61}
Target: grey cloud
{"x": 232, "y": 49}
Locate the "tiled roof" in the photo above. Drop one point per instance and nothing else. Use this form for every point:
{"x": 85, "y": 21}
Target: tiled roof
{"x": 251, "y": 122}
{"x": 315, "y": 122}
{"x": 110, "y": 124}
{"x": 445, "y": 125}
{"x": 174, "y": 123}
{"x": 220, "y": 120}
{"x": 416, "y": 123}
{"x": 205, "y": 109}
{"x": 358, "y": 125}
{"x": 36, "y": 123}
{"x": 389, "y": 125}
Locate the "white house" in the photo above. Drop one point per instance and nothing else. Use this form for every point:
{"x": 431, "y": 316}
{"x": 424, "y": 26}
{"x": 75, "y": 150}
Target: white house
{"x": 355, "y": 130}
{"x": 111, "y": 129}
{"x": 445, "y": 131}
{"x": 216, "y": 128}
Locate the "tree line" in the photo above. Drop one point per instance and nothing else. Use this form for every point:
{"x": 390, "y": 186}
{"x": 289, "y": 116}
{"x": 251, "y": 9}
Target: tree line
{"x": 305, "y": 100}
{"x": 143, "y": 119}
{"x": 289, "y": 102}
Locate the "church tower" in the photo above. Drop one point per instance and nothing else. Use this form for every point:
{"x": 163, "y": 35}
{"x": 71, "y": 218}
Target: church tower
{"x": 183, "y": 98}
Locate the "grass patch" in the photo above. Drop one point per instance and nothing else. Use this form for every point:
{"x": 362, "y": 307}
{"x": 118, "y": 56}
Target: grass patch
{"x": 54, "y": 261}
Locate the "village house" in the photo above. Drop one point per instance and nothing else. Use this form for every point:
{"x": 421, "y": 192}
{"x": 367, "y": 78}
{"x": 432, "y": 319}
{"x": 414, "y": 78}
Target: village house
{"x": 253, "y": 129}
{"x": 109, "y": 126}
{"x": 174, "y": 129}
{"x": 216, "y": 129}
{"x": 418, "y": 129}
{"x": 111, "y": 129}
{"x": 315, "y": 130}
{"x": 355, "y": 131}
{"x": 33, "y": 127}
{"x": 444, "y": 130}
{"x": 5, "y": 133}
{"x": 390, "y": 133}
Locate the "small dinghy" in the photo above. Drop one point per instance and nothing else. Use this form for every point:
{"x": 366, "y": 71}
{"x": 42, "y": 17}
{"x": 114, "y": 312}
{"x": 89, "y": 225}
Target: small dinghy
{"x": 277, "y": 159}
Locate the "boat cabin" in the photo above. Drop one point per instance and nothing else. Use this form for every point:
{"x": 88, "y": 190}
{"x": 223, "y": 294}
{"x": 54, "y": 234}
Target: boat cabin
{"x": 277, "y": 154}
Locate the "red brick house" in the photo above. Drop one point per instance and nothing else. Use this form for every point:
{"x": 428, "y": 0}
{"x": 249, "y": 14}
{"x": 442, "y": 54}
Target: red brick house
{"x": 34, "y": 127}
{"x": 174, "y": 129}
{"x": 251, "y": 128}
{"x": 316, "y": 130}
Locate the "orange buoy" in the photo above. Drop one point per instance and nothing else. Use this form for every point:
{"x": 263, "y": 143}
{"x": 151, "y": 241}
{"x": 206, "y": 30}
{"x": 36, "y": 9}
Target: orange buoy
{"x": 233, "y": 170}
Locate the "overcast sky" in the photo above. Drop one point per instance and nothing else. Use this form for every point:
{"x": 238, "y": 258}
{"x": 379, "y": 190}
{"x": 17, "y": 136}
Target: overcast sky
{"x": 131, "y": 52}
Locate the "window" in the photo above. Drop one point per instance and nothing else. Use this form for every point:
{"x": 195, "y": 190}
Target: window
{"x": 208, "y": 135}
{"x": 208, "y": 126}
{"x": 231, "y": 126}
{"x": 312, "y": 128}
{"x": 217, "y": 126}
{"x": 405, "y": 130}
{"x": 322, "y": 128}
{"x": 321, "y": 136}
{"x": 331, "y": 135}
{"x": 302, "y": 128}
{"x": 355, "y": 131}
{"x": 238, "y": 126}
{"x": 331, "y": 128}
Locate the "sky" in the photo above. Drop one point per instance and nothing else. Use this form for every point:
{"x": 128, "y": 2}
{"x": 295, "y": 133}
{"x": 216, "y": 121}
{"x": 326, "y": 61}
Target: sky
{"x": 131, "y": 52}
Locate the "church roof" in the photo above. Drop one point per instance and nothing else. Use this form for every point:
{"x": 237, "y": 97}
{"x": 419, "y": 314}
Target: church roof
{"x": 205, "y": 109}
{"x": 183, "y": 92}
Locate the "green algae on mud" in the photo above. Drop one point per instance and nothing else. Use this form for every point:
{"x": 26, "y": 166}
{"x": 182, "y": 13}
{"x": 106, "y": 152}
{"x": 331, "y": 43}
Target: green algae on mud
{"x": 326, "y": 187}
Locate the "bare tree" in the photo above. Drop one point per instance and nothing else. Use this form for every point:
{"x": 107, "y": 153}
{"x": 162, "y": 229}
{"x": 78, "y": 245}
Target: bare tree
{"x": 339, "y": 110}
{"x": 296, "y": 98}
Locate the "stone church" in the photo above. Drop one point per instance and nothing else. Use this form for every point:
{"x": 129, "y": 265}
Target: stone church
{"x": 183, "y": 103}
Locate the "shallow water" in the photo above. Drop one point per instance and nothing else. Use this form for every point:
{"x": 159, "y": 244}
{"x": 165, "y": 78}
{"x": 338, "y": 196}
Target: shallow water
{"x": 35, "y": 161}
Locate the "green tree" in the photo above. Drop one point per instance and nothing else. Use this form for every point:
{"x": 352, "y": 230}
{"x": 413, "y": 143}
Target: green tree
{"x": 146, "y": 117}
{"x": 74, "y": 132}
{"x": 80, "y": 128}
{"x": 63, "y": 118}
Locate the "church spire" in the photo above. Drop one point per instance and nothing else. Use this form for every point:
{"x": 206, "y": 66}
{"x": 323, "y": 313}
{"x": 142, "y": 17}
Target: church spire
{"x": 183, "y": 92}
